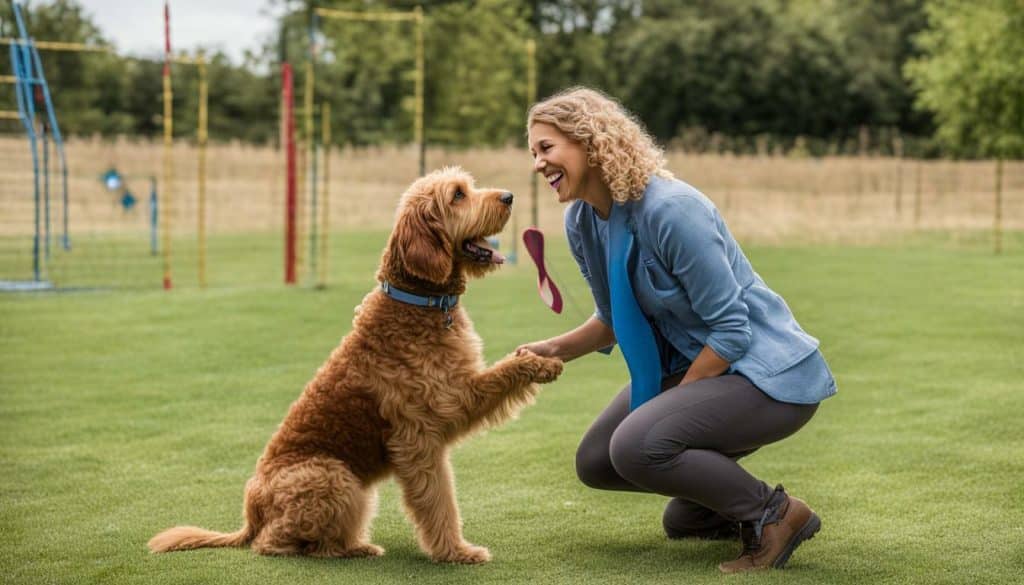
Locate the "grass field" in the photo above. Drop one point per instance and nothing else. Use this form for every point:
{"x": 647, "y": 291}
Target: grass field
{"x": 122, "y": 413}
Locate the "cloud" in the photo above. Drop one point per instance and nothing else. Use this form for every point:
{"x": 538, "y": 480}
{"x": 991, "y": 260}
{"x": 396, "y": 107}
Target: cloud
{"x": 136, "y": 27}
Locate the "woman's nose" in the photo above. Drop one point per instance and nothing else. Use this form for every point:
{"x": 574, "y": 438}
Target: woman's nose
{"x": 538, "y": 164}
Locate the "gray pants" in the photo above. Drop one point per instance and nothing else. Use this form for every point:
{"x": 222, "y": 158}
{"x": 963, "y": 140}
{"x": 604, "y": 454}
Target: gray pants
{"x": 684, "y": 443}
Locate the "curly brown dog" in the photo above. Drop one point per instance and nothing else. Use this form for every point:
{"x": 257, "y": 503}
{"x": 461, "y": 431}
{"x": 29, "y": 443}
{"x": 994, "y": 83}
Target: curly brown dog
{"x": 402, "y": 387}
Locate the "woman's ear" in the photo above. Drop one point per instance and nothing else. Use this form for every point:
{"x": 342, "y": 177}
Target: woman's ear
{"x": 421, "y": 243}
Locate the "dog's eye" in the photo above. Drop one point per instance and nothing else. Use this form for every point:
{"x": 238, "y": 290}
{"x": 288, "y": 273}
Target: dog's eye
{"x": 459, "y": 194}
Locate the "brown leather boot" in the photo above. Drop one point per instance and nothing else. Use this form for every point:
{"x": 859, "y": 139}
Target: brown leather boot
{"x": 768, "y": 542}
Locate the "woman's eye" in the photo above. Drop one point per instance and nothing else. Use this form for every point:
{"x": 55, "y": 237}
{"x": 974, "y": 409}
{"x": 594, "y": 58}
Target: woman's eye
{"x": 459, "y": 194}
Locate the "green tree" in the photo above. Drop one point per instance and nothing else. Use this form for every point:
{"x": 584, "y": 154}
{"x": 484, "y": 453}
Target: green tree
{"x": 477, "y": 66}
{"x": 86, "y": 86}
{"x": 972, "y": 75}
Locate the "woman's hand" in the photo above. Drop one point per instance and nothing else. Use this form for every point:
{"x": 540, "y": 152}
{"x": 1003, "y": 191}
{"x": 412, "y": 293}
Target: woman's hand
{"x": 542, "y": 348}
{"x": 590, "y": 336}
{"x": 707, "y": 365}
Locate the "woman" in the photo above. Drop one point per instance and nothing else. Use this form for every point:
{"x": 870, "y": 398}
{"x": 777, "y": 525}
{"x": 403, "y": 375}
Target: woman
{"x": 736, "y": 370}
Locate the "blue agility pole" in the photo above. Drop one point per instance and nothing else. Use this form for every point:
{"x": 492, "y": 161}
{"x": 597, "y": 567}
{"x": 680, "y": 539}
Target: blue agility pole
{"x": 20, "y": 63}
{"x": 46, "y": 190}
{"x": 33, "y": 69}
{"x": 153, "y": 215}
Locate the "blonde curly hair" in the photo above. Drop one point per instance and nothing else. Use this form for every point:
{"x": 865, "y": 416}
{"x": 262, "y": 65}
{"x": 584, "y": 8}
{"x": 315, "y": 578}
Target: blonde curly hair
{"x": 615, "y": 141}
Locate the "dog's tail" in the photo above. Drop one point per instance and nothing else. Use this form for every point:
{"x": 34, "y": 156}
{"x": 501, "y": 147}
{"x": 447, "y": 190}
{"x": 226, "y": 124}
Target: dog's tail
{"x": 190, "y": 537}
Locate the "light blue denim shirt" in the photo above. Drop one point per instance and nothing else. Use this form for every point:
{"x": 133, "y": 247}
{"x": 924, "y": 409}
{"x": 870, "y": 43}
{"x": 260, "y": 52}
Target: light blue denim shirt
{"x": 696, "y": 288}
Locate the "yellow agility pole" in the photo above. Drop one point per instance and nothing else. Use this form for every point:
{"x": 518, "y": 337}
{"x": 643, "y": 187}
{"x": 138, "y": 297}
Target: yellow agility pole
{"x": 307, "y": 104}
{"x": 201, "y": 135}
{"x": 365, "y": 16}
{"x": 61, "y": 46}
{"x": 300, "y": 209}
{"x": 418, "y": 12}
{"x": 415, "y": 16}
{"x": 165, "y": 191}
{"x": 325, "y": 128}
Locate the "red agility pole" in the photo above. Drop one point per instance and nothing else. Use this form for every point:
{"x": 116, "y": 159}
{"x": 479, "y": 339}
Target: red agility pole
{"x": 288, "y": 111}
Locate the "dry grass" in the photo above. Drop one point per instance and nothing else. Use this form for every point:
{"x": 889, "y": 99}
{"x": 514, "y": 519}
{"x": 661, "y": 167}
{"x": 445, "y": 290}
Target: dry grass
{"x": 765, "y": 199}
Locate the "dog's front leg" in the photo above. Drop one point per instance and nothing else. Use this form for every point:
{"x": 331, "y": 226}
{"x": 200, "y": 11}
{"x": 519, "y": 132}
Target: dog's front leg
{"x": 428, "y": 491}
{"x": 509, "y": 379}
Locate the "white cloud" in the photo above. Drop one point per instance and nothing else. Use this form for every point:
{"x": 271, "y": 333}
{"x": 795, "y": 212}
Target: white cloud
{"x": 137, "y": 26}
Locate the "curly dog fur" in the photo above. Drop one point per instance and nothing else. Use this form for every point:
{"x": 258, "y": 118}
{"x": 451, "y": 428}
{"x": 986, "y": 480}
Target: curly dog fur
{"x": 392, "y": 399}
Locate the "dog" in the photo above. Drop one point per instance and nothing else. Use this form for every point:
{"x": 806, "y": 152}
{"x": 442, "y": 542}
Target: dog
{"x": 403, "y": 386}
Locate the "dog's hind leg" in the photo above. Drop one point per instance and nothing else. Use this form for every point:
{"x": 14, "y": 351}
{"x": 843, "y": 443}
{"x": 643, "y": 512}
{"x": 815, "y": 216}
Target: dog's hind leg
{"x": 352, "y": 537}
{"x": 428, "y": 491}
{"x": 320, "y": 508}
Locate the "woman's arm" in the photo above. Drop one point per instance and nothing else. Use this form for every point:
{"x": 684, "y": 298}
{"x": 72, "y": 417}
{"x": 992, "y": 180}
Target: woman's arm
{"x": 686, "y": 233}
{"x": 707, "y": 365}
{"x": 592, "y": 335}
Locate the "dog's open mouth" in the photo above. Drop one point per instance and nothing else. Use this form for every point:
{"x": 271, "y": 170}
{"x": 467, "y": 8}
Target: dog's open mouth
{"x": 478, "y": 251}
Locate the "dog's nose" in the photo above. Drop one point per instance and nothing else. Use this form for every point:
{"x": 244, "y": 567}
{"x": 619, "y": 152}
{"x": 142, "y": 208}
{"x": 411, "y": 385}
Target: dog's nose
{"x": 506, "y": 198}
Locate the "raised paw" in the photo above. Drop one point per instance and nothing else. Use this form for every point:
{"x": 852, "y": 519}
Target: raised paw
{"x": 543, "y": 369}
{"x": 466, "y": 554}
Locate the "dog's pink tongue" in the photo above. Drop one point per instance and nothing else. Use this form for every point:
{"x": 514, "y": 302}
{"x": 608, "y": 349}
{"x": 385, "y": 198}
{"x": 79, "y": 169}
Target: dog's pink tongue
{"x": 497, "y": 257}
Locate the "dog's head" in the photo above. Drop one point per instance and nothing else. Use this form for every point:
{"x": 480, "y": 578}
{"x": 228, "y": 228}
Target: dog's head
{"x": 440, "y": 231}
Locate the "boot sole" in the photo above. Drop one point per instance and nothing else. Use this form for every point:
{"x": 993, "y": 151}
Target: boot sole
{"x": 806, "y": 532}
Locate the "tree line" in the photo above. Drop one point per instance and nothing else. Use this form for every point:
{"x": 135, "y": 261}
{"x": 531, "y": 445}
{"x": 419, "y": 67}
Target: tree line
{"x": 743, "y": 75}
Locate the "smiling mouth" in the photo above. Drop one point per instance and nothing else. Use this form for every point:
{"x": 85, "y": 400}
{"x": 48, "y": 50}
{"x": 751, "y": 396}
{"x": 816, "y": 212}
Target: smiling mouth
{"x": 555, "y": 179}
{"x": 478, "y": 251}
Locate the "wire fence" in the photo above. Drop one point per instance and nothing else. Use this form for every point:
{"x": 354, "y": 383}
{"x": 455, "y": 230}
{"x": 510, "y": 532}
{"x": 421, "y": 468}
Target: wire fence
{"x": 773, "y": 200}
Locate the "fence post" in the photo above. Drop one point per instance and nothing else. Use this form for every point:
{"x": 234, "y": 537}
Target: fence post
{"x": 998, "y": 222}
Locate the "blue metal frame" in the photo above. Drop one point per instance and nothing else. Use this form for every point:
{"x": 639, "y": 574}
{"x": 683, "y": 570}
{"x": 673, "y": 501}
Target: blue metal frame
{"x": 26, "y": 107}
{"x": 58, "y": 140}
{"x": 28, "y": 72}
{"x": 46, "y": 190}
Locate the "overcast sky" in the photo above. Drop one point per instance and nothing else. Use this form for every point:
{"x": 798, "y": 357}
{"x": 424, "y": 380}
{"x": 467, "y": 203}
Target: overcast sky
{"x": 136, "y": 26}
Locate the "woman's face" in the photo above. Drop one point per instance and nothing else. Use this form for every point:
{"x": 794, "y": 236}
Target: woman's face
{"x": 561, "y": 161}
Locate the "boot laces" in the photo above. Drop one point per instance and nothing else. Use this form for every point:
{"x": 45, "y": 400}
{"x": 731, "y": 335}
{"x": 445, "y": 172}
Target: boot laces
{"x": 751, "y": 534}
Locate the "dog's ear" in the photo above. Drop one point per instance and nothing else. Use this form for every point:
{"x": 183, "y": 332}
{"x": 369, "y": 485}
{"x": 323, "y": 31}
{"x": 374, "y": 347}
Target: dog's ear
{"x": 421, "y": 243}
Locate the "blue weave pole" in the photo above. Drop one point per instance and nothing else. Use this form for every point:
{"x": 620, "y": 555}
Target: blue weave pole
{"x": 153, "y": 216}
{"x": 632, "y": 331}
{"x": 46, "y": 190}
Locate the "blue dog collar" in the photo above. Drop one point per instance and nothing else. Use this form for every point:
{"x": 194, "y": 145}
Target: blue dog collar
{"x": 445, "y": 303}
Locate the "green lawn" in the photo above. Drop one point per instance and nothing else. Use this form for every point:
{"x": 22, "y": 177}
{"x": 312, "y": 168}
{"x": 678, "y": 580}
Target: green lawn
{"x": 123, "y": 413}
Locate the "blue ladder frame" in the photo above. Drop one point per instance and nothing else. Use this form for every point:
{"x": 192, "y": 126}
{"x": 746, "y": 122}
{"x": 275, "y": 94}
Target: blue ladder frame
{"x": 28, "y": 73}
